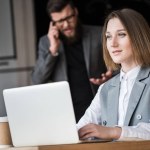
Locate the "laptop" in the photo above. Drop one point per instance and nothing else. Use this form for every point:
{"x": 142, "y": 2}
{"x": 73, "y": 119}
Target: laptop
{"x": 41, "y": 115}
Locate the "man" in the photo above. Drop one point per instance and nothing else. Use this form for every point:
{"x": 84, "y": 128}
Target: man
{"x": 71, "y": 52}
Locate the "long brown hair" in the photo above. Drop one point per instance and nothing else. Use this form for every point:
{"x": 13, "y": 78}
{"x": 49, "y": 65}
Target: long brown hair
{"x": 139, "y": 34}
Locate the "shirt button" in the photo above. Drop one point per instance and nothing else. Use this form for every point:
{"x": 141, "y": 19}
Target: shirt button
{"x": 139, "y": 117}
{"x": 104, "y": 122}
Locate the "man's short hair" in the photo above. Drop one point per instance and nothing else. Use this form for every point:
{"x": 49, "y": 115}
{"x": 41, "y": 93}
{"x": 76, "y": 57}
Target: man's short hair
{"x": 58, "y": 5}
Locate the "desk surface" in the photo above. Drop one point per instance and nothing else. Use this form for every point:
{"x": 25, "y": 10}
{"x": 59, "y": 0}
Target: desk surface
{"x": 126, "y": 145}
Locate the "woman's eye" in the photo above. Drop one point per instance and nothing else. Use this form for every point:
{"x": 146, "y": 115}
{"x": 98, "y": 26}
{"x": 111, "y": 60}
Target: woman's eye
{"x": 108, "y": 36}
{"x": 122, "y": 34}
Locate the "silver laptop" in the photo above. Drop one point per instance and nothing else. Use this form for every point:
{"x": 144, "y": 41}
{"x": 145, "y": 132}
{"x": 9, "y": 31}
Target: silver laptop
{"x": 41, "y": 114}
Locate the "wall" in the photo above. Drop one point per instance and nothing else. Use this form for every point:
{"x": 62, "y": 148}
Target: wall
{"x": 18, "y": 58}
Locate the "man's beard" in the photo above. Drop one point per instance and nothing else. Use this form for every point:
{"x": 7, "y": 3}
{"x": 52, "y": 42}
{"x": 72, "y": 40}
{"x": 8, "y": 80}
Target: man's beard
{"x": 77, "y": 36}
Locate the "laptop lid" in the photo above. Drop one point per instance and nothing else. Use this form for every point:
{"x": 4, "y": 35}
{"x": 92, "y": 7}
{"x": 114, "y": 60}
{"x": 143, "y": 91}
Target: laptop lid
{"x": 41, "y": 114}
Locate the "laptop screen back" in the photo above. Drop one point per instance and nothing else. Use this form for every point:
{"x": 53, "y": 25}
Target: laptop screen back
{"x": 41, "y": 114}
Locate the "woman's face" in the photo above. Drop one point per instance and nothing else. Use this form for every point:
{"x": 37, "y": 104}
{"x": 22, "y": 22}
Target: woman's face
{"x": 118, "y": 44}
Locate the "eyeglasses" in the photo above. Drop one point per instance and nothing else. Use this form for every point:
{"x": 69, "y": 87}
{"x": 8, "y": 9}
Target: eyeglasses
{"x": 69, "y": 19}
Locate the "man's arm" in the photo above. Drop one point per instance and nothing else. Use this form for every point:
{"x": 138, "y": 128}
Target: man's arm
{"x": 45, "y": 63}
{"x": 47, "y": 55}
{"x": 103, "y": 78}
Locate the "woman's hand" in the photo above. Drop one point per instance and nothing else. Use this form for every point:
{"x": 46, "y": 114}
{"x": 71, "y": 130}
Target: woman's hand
{"x": 98, "y": 131}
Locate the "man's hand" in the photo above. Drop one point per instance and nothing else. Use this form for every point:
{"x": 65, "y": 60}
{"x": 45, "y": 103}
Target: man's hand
{"x": 98, "y": 131}
{"x": 53, "y": 36}
{"x": 103, "y": 78}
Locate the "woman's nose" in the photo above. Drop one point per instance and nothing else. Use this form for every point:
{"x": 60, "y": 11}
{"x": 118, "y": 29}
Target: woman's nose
{"x": 114, "y": 42}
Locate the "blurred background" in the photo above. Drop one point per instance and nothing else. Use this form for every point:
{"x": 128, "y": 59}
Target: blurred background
{"x": 23, "y": 22}
{"x": 91, "y": 12}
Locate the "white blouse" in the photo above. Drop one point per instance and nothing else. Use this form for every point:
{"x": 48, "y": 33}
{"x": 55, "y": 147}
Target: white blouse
{"x": 93, "y": 113}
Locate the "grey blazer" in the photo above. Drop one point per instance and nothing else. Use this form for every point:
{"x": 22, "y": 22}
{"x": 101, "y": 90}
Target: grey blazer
{"x": 49, "y": 68}
{"x": 139, "y": 103}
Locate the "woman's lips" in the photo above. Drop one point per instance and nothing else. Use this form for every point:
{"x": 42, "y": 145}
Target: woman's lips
{"x": 116, "y": 52}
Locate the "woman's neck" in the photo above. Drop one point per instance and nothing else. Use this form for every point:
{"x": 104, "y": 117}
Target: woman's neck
{"x": 126, "y": 68}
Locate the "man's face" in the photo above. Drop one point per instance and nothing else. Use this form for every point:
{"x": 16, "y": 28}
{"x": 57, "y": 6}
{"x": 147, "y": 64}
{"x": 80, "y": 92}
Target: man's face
{"x": 66, "y": 21}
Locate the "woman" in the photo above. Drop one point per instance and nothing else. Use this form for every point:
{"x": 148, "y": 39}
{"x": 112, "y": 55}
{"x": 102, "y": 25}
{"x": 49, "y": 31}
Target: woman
{"x": 121, "y": 107}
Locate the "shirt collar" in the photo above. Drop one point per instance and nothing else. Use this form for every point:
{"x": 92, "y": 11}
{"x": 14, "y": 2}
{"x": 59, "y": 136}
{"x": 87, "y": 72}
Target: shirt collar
{"x": 132, "y": 74}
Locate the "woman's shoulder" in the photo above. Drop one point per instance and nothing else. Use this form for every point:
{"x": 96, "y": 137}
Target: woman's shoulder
{"x": 112, "y": 81}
